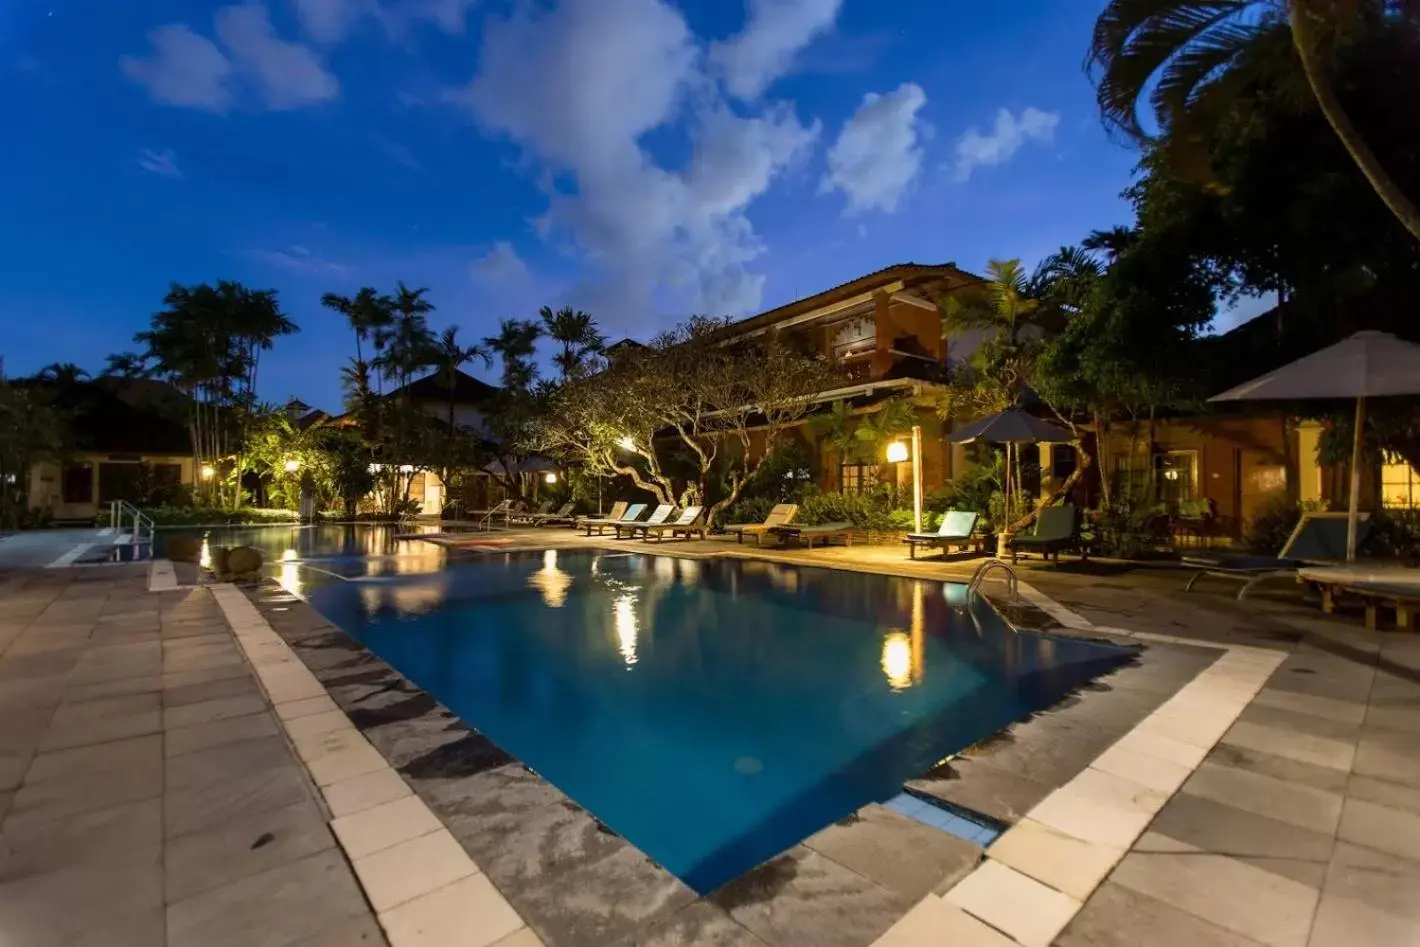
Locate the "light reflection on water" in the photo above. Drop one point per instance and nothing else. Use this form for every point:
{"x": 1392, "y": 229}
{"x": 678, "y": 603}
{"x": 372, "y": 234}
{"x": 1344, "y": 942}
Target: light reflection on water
{"x": 551, "y": 581}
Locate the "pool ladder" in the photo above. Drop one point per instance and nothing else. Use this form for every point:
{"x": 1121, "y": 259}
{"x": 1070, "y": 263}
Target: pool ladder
{"x": 985, "y": 568}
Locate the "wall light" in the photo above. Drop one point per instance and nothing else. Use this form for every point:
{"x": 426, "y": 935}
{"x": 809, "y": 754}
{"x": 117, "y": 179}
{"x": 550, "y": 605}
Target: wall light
{"x": 897, "y": 452}
{"x": 549, "y": 477}
{"x": 293, "y": 465}
{"x": 208, "y": 471}
{"x": 626, "y": 443}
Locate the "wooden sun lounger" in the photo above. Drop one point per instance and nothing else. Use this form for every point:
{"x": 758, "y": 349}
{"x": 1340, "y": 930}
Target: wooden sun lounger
{"x": 956, "y": 530}
{"x": 617, "y": 511}
{"x": 632, "y": 514}
{"x": 658, "y": 516}
{"x": 823, "y": 532}
{"x": 1318, "y": 538}
{"x": 782, "y": 515}
{"x": 690, "y": 523}
{"x": 1056, "y": 530}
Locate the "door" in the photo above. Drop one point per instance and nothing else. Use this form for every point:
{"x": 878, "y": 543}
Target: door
{"x": 433, "y": 496}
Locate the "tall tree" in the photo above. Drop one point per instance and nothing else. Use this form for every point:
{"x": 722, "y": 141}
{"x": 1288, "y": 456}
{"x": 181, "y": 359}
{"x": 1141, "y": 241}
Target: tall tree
{"x": 516, "y": 344}
{"x": 127, "y": 365}
{"x": 450, "y": 355}
{"x": 409, "y": 342}
{"x": 368, "y": 314}
{"x": 1190, "y": 59}
{"x": 63, "y": 374}
{"x": 577, "y": 334}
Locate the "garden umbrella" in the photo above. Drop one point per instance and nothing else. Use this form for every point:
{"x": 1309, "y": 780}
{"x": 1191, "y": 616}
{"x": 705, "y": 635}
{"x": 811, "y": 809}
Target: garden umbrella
{"x": 1010, "y": 427}
{"x": 1366, "y": 365}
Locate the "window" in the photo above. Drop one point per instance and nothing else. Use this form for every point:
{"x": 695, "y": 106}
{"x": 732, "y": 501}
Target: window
{"x": 1400, "y": 484}
{"x": 857, "y": 478}
{"x": 1176, "y": 476}
{"x": 78, "y": 483}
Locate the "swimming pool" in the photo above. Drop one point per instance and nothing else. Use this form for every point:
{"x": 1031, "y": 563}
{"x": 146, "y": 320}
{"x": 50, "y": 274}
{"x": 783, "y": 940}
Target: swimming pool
{"x": 712, "y": 712}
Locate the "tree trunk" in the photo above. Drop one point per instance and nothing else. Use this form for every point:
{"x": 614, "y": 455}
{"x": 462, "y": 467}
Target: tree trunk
{"x": 1101, "y": 448}
{"x": 1305, "y": 40}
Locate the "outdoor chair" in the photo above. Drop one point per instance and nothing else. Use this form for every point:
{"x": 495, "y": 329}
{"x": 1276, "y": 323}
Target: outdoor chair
{"x": 1396, "y": 587}
{"x": 632, "y": 514}
{"x": 544, "y": 509}
{"x": 690, "y": 522}
{"x": 956, "y": 530}
{"x": 618, "y": 509}
{"x": 561, "y": 517}
{"x": 658, "y": 516}
{"x": 821, "y": 532}
{"x": 1057, "y": 529}
{"x": 782, "y": 515}
{"x": 1318, "y": 539}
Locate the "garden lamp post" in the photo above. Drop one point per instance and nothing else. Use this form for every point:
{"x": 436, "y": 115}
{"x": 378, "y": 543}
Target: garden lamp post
{"x": 898, "y": 452}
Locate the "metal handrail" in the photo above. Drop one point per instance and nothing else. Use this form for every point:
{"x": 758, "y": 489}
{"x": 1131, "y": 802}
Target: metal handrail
{"x": 141, "y": 521}
{"x": 979, "y": 576}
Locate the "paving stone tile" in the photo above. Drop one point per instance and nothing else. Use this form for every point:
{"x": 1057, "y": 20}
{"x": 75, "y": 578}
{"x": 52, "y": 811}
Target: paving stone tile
{"x": 206, "y": 711}
{"x": 1388, "y": 830}
{"x": 176, "y": 679}
{"x": 69, "y": 714}
{"x": 1101, "y": 808}
{"x": 359, "y": 793}
{"x": 24, "y": 731}
{"x": 468, "y": 912}
{"x": 243, "y": 686}
{"x": 88, "y": 760}
{"x": 352, "y": 932}
{"x": 367, "y": 832}
{"x": 295, "y": 709}
{"x": 1295, "y": 722}
{"x": 802, "y": 897}
{"x": 897, "y": 852}
{"x": 89, "y": 905}
{"x": 70, "y": 795}
{"x": 275, "y": 908}
{"x": 1267, "y": 907}
{"x": 117, "y": 688}
{"x": 1344, "y": 711}
{"x": 232, "y": 799}
{"x": 1302, "y": 806}
{"x": 698, "y": 924}
{"x": 1391, "y": 795}
{"x": 979, "y": 786}
{"x": 1216, "y": 826}
{"x": 220, "y": 732}
{"x": 1118, "y": 917}
{"x": 1325, "y": 778}
{"x": 103, "y": 730}
{"x": 1303, "y": 747}
{"x": 257, "y": 843}
{"x": 1030, "y": 912}
{"x": 123, "y": 833}
{"x": 1392, "y": 755}
{"x": 1059, "y": 860}
{"x": 216, "y": 763}
{"x": 414, "y": 867}
{"x": 1048, "y": 749}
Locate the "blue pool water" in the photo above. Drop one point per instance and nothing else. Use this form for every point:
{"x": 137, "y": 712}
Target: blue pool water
{"x": 712, "y": 712}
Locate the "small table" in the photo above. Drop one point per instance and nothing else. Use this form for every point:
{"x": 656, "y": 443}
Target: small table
{"x": 1395, "y": 586}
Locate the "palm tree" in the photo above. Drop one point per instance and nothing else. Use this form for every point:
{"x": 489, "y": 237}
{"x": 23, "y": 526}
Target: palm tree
{"x": 369, "y": 315}
{"x": 1190, "y": 58}
{"x": 576, "y": 331}
{"x": 63, "y": 374}
{"x": 515, "y": 343}
{"x": 126, "y": 365}
{"x": 450, "y": 355}
{"x": 408, "y": 342}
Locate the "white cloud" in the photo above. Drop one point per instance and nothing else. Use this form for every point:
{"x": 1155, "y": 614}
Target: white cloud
{"x": 578, "y": 89}
{"x": 331, "y": 21}
{"x": 288, "y": 75}
{"x": 185, "y": 70}
{"x": 298, "y": 259}
{"x": 878, "y": 153}
{"x": 1008, "y": 136}
{"x": 499, "y": 267}
{"x": 764, "y": 50}
{"x": 161, "y": 163}
{"x": 188, "y": 70}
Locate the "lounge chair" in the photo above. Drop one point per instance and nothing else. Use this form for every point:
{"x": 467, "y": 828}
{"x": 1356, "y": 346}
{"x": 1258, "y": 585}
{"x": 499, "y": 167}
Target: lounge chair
{"x": 822, "y": 532}
{"x": 632, "y": 514}
{"x": 617, "y": 511}
{"x": 658, "y": 516}
{"x": 1396, "y": 587}
{"x": 1318, "y": 539}
{"x": 561, "y": 515}
{"x": 1056, "y": 530}
{"x": 690, "y": 522}
{"x": 531, "y": 517}
{"x": 956, "y": 529}
{"x": 782, "y": 515}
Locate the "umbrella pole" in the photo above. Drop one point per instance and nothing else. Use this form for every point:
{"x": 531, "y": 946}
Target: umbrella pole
{"x": 1353, "y": 511}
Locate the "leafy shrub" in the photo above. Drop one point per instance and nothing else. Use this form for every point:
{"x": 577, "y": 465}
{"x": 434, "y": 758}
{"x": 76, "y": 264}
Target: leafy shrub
{"x": 1123, "y": 530}
{"x": 749, "y": 510}
{"x": 873, "y": 510}
{"x": 214, "y": 516}
{"x": 977, "y": 490}
{"x": 1395, "y": 534}
{"x": 1268, "y": 531}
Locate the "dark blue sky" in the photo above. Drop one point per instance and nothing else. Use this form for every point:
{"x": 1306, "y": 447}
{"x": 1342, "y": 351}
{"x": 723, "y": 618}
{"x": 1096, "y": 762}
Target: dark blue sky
{"x": 642, "y": 159}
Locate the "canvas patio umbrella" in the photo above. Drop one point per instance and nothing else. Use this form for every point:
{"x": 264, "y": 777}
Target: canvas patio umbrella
{"x": 1011, "y": 427}
{"x": 1366, "y": 365}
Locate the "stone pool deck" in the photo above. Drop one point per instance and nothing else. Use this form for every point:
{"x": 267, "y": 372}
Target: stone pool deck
{"x": 131, "y": 819}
